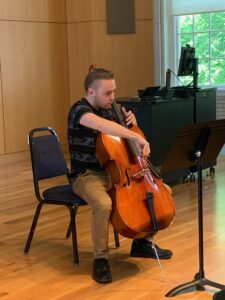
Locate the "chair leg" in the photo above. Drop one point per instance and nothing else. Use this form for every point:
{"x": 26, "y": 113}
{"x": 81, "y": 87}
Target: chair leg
{"x": 69, "y": 227}
{"x": 73, "y": 212}
{"x": 68, "y": 231}
{"x": 116, "y": 237}
{"x": 32, "y": 229}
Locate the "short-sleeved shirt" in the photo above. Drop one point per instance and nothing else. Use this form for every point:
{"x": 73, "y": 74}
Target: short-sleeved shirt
{"x": 81, "y": 139}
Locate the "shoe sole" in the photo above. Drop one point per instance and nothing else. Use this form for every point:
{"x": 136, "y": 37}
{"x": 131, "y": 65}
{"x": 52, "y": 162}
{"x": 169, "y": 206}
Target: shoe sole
{"x": 148, "y": 256}
{"x": 102, "y": 282}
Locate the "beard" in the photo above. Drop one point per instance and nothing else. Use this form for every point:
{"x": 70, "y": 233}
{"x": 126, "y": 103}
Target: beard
{"x": 103, "y": 103}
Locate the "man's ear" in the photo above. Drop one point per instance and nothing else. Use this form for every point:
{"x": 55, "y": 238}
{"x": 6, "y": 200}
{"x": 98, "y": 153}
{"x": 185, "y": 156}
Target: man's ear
{"x": 91, "y": 92}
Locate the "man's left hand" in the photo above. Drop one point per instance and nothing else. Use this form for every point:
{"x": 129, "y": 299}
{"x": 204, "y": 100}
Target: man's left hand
{"x": 129, "y": 117}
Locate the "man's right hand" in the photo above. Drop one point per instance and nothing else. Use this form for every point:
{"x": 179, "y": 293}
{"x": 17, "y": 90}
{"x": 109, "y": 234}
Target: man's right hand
{"x": 142, "y": 146}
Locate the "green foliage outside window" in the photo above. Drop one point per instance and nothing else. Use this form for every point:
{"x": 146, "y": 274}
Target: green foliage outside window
{"x": 205, "y": 32}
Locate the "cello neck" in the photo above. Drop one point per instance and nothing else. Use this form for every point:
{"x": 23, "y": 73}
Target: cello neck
{"x": 118, "y": 113}
{"x": 120, "y": 119}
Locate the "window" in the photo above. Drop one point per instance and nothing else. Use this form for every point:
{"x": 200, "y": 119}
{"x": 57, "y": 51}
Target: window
{"x": 205, "y": 32}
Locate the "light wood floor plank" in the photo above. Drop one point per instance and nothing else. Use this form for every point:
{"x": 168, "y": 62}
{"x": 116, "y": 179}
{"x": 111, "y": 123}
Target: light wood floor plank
{"x": 48, "y": 273}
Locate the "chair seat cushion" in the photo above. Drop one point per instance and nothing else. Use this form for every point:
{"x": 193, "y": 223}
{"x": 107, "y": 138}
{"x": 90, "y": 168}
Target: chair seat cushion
{"x": 64, "y": 194}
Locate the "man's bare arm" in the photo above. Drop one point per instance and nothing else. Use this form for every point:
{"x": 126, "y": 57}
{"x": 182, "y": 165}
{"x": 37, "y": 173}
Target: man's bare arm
{"x": 112, "y": 128}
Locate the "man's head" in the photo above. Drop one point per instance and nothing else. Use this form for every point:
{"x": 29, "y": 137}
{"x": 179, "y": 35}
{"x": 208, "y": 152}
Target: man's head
{"x": 100, "y": 87}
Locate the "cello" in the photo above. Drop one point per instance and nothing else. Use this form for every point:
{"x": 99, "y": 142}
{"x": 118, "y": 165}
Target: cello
{"x": 141, "y": 204}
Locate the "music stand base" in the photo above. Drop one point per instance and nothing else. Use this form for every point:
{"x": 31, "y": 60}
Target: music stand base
{"x": 198, "y": 283}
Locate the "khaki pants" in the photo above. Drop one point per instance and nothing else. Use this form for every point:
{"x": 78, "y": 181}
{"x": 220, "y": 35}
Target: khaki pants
{"x": 92, "y": 186}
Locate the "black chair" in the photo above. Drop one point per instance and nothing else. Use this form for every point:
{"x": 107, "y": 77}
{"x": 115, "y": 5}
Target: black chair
{"x": 48, "y": 161}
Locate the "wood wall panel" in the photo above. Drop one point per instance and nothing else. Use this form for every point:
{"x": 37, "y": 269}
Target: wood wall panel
{"x": 33, "y": 10}
{"x": 129, "y": 56}
{"x": 34, "y": 79}
{"x": 35, "y": 67}
{"x": 2, "y": 143}
{"x": 87, "y": 10}
{"x": 95, "y": 10}
{"x": 144, "y": 9}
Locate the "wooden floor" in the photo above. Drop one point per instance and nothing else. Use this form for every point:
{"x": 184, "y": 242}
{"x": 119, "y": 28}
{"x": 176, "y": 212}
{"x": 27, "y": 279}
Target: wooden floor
{"x": 48, "y": 272}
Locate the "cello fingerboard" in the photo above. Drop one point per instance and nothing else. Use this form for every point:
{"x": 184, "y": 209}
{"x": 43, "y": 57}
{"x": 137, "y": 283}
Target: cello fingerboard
{"x": 120, "y": 119}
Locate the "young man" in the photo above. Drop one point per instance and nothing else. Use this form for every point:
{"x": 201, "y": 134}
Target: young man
{"x": 87, "y": 117}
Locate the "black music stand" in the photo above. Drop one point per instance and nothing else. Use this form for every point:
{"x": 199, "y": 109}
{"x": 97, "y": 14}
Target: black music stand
{"x": 196, "y": 144}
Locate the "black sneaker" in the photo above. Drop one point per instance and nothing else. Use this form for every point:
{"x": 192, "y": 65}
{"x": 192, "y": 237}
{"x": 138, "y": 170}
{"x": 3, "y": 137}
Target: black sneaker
{"x": 144, "y": 248}
{"x": 101, "y": 271}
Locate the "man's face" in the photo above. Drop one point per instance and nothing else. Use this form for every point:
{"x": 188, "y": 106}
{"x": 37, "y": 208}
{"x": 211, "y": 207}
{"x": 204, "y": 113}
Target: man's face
{"x": 104, "y": 92}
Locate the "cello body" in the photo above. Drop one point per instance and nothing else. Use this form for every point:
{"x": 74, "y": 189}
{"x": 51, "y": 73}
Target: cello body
{"x": 130, "y": 182}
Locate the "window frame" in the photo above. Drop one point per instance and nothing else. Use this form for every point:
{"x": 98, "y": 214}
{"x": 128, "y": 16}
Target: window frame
{"x": 177, "y": 44}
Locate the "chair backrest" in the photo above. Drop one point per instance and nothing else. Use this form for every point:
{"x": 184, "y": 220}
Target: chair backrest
{"x": 47, "y": 157}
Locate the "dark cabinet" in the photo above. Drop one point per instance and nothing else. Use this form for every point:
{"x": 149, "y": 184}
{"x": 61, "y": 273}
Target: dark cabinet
{"x": 205, "y": 105}
{"x": 160, "y": 120}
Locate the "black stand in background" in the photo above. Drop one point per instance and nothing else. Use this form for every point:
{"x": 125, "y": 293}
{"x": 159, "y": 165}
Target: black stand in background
{"x": 195, "y": 73}
{"x": 196, "y": 144}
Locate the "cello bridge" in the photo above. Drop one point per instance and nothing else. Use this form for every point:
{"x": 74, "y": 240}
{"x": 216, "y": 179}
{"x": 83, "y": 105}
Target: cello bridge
{"x": 140, "y": 173}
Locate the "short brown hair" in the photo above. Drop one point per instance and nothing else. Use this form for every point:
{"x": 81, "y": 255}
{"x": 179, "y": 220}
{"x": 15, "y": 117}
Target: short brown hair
{"x": 97, "y": 74}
